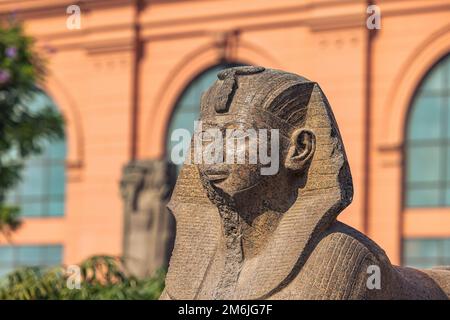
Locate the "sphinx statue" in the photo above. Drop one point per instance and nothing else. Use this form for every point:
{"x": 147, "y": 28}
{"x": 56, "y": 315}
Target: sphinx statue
{"x": 148, "y": 228}
{"x": 241, "y": 234}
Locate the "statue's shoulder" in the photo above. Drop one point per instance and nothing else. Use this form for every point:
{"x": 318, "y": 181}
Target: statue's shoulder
{"x": 348, "y": 237}
{"x": 346, "y": 264}
{"x": 347, "y": 246}
{"x": 339, "y": 265}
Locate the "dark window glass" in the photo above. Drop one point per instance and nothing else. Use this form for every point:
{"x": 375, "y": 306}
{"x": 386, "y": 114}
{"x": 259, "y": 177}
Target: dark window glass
{"x": 41, "y": 193}
{"x": 428, "y": 141}
{"x": 426, "y": 252}
{"x": 13, "y": 257}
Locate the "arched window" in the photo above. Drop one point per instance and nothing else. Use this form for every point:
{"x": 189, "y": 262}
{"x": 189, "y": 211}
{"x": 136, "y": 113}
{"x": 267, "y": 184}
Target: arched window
{"x": 41, "y": 192}
{"x": 187, "y": 109}
{"x": 428, "y": 141}
{"x": 428, "y": 162}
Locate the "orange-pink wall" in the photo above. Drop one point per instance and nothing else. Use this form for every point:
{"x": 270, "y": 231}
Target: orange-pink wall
{"x": 92, "y": 79}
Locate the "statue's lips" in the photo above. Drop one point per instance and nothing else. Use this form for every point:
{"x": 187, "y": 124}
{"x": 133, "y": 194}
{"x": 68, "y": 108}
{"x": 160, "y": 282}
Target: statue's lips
{"x": 216, "y": 177}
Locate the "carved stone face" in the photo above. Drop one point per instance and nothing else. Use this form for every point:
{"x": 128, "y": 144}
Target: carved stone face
{"x": 262, "y": 150}
{"x": 239, "y": 166}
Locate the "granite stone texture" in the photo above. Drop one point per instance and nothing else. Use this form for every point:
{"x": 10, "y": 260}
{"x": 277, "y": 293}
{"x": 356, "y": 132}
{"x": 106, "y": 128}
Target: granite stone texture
{"x": 244, "y": 235}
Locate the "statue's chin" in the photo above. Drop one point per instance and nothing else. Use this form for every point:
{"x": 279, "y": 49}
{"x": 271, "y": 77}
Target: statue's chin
{"x": 225, "y": 188}
{"x": 221, "y": 188}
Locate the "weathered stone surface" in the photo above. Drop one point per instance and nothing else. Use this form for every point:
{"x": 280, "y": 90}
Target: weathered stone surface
{"x": 148, "y": 227}
{"x": 242, "y": 235}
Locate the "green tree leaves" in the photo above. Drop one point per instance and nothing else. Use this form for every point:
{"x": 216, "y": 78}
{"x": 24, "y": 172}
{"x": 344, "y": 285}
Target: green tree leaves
{"x": 22, "y": 129}
{"x": 102, "y": 277}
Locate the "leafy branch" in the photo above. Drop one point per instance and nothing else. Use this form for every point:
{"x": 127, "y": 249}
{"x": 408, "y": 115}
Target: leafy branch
{"x": 23, "y": 129}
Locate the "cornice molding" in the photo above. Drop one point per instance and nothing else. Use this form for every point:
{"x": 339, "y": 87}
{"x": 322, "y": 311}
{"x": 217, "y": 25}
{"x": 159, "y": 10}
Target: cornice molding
{"x": 316, "y": 15}
{"x": 117, "y": 45}
{"x": 326, "y": 23}
{"x": 25, "y": 9}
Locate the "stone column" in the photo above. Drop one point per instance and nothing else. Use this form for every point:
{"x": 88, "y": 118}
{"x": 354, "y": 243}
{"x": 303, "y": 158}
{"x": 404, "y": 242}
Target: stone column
{"x": 149, "y": 228}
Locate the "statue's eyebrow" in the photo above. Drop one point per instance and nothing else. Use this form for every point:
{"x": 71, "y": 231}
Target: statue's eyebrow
{"x": 283, "y": 133}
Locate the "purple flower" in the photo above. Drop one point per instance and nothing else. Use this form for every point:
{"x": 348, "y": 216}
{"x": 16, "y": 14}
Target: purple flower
{"x": 11, "y": 52}
{"x": 12, "y": 17}
{"x": 4, "y": 76}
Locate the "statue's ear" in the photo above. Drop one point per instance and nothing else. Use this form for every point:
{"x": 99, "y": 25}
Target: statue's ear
{"x": 301, "y": 149}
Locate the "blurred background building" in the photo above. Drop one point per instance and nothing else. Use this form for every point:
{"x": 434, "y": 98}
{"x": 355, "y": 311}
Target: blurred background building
{"x": 135, "y": 70}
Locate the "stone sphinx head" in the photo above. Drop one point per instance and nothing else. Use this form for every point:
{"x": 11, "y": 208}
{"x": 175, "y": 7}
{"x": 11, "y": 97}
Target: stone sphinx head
{"x": 266, "y": 148}
{"x": 243, "y": 233}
